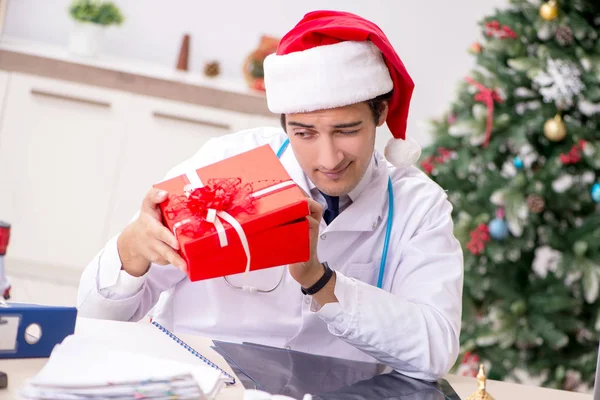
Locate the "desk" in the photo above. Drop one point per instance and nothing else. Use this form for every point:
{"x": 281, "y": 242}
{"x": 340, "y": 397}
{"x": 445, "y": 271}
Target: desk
{"x": 20, "y": 370}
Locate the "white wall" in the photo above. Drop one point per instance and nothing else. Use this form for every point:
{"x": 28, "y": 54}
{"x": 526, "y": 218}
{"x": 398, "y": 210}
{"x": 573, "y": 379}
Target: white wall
{"x": 431, "y": 36}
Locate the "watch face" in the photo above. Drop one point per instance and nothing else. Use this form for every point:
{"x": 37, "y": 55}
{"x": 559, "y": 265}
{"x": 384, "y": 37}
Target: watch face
{"x": 294, "y": 374}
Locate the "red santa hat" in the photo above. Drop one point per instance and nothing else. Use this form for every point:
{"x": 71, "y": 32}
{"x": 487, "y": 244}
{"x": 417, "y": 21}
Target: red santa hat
{"x": 333, "y": 59}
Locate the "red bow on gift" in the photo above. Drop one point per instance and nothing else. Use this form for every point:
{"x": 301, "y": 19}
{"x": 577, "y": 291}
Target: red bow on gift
{"x": 486, "y": 96}
{"x": 218, "y": 194}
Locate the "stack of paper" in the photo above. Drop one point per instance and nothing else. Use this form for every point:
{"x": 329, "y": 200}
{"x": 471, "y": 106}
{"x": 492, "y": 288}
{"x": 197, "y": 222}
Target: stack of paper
{"x": 83, "y": 367}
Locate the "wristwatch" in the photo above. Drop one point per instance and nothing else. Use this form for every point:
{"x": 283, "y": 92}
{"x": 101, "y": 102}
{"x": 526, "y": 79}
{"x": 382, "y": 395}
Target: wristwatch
{"x": 320, "y": 283}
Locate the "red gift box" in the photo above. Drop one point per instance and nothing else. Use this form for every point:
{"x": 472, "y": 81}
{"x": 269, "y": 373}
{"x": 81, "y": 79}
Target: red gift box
{"x": 246, "y": 205}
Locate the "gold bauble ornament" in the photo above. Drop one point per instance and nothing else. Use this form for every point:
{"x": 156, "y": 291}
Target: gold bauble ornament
{"x": 549, "y": 10}
{"x": 481, "y": 393}
{"x": 555, "y": 129}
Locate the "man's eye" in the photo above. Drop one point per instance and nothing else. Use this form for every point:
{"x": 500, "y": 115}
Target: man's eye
{"x": 302, "y": 134}
{"x": 349, "y": 132}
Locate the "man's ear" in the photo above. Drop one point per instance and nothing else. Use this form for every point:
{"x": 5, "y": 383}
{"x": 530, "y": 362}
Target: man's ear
{"x": 282, "y": 121}
{"x": 384, "y": 113}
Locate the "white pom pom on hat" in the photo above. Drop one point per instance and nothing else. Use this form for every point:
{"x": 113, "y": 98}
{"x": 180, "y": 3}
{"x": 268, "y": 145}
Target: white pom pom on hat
{"x": 402, "y": 153}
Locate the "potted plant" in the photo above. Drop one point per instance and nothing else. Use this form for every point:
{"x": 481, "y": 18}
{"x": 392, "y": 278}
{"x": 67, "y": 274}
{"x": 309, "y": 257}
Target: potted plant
{"x": 91, "y": 18}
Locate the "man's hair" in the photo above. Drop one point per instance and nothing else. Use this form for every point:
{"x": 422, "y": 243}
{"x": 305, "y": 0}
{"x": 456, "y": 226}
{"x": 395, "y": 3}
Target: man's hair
{"x": 375, "y": 104}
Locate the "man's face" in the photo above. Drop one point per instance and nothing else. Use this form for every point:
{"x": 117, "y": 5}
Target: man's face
{"x": 334, "y": 147}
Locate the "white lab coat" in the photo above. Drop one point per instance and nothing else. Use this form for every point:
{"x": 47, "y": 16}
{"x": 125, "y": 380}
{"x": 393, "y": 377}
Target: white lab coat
{"x": 412, "y": 324}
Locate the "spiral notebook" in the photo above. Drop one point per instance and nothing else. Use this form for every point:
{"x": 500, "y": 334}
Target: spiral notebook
{"x": 117, "y": 360}
{"x": 231, "y": 379}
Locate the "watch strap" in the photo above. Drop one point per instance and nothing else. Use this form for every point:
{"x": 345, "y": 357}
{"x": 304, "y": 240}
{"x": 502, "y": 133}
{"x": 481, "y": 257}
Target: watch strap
{"x": 321, "y": 282}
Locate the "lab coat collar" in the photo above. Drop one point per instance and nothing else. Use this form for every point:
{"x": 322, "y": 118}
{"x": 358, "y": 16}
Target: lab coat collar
{"x": 369, "y": 198}
{"x": 362, "y": 184}
{"x": 367, "y": 209}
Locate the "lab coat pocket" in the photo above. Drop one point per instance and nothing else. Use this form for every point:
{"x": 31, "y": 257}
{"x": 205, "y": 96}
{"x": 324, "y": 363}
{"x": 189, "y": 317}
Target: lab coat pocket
{"x": 366, "y": 272}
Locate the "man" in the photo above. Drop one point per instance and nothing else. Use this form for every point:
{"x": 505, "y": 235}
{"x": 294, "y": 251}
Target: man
{"x": 334, "y": 79}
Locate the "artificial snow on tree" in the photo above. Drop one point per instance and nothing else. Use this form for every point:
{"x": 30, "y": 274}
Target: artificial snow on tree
{"x": 560, "y": 82}
{"x": 519, "y": 154}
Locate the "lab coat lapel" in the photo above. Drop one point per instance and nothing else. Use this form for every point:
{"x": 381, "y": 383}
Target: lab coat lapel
{"x": 366, "y": 212}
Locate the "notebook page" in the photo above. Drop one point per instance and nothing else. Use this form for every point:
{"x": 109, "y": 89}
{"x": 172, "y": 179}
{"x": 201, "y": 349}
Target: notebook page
{"x": 83, "y": 362}
{"x": 146, "y": 338}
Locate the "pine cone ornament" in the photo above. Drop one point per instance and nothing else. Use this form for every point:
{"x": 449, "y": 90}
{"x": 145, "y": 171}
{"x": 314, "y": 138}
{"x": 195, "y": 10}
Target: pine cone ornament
{"x": 564, "y": 35}
{"x": 212, "y": 69}
{"x": 535, "y": 203}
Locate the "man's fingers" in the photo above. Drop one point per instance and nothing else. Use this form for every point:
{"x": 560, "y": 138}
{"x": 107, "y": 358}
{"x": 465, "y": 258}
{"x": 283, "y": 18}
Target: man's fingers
{"x": 153, "y": 197}
{"x": 179, "y": 262}
{"x": 166, "y": 253}
{"x": 165, "y": 235}
{"x": 316, "y": 210}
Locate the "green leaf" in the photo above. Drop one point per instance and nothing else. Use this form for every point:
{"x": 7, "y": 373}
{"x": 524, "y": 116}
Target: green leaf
{"x": 502, "y": 121}
{"x": 527, "y": 338}
{"x": 547, "y": 331}
{"x": 463, "y": 227}
{"x": 479, "y": 112}
{"x": 508, "y": 338}
{"x": 463, "y": 128}
{"x": 516, "y": 211}
{"x": 488, "y": 340}
{"x": 524, "y": 64}
{"x": 550, "y": 304}
{"x": 105, "y": 14}
{"x": 533, "y": 73}
{"x": 590, "y": 280}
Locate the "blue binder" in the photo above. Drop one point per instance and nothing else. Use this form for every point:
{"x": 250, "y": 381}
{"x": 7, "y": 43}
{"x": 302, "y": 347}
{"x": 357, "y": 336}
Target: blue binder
{"x": 55, "y": 324}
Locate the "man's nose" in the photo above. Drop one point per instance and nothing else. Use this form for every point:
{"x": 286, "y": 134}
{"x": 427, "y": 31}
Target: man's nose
{"x": 330, "y": 156}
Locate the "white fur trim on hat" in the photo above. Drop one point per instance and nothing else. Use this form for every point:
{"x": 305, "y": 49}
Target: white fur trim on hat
{"x": 325, "y": 77}
{"x": 402, "y": 153}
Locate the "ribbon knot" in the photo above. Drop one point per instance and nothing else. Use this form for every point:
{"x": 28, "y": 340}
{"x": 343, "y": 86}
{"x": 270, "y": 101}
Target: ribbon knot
{"x": 210, "y": 203}
{"x": 488, "y": 97}
{"x": 203, "y": 203}
{"x": 214, "y": 202}
{"x": 219, "y": 195}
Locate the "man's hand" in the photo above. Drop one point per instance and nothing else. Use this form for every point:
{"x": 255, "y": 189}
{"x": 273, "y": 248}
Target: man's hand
{"x": 308, "y": 273}
{"x": 146, "y": 240}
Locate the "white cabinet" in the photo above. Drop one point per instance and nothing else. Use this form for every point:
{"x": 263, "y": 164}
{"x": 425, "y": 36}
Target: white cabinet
{"x": 255, "y": 121}
{"x": 160, "y": 135}
{"x": 3, "y": 86}
{"x": 77, "y": 160}
{"x": 59, "y": 153}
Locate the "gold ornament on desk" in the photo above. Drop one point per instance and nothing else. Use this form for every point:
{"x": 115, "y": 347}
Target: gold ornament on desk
{"x": 481, "y": 393}
{"x": 555, "y": 129}
{"x": 549, "y": 10}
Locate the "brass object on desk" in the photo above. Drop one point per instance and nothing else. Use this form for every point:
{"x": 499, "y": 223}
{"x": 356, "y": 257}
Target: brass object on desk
{"x": 481, "y": 393}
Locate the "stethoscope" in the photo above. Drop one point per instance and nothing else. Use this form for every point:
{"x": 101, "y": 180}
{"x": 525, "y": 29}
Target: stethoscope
{"x": 386, "y": 243}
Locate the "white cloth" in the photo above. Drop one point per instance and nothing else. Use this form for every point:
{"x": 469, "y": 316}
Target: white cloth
{"x": 412, "y": 324}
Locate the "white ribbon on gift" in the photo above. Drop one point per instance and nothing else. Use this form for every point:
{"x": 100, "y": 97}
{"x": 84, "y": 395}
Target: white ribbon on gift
{"x": 214, "y": 217}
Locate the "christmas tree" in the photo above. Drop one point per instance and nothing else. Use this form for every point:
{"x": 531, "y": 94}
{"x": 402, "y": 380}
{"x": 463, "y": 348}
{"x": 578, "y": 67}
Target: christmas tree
{"x": 519, "y": 154}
